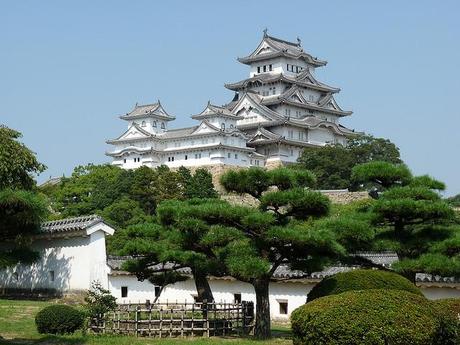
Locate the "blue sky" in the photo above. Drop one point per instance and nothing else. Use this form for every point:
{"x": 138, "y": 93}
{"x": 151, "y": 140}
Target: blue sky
{"x": 68, "y": 69}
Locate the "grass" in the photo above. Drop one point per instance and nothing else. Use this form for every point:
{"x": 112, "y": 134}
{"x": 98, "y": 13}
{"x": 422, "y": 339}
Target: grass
{"x": 17, "y": 327}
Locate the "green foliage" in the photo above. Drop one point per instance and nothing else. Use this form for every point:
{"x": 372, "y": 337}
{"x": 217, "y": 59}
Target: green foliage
{"x": 370, "y": 317}
{"x": 454, "y": 200}
{"x": 381, "y": 173}
{"x": 361, "y": 279}
{"x": 199, "y": 185}
{"x": 332, "y": 164}
{"x": 99, "y": 301}
{"x": 298, "y": 202}
{"x": 59, "y": 319}
{"x": 255, "y": 181}
{"x": 17, "y": 162}
{"x": 124, "y": 212}
{"x": 126, "y": 197}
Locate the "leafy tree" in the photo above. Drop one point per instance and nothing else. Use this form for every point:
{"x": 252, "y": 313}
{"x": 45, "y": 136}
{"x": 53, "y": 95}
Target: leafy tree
{"x": 124, "y": 212}
{"x": 454, "y": 200}
{"x": 21, "y": 213}
{"x": 256, "y": 242}
{"x": 333, "y": 164}
{"x": 99, "y": 300}
{"x": 200, "y": 185}
{"x": 411, "y": 218}
{"x": 22, "y": 209}
{"x": 159, "y": 253}
{"x": 17, "y": 162}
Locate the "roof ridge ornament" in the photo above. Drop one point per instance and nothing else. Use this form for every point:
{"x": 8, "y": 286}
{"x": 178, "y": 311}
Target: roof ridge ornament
{"x": 265, "y": 31}
{"x": 299, "y": 41}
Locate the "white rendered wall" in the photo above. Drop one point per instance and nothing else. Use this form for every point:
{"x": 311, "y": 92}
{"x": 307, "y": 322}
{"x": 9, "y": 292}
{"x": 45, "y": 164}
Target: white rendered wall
{"x": 295, "y": 293}
{"x": 75, "y": 261}
{"x": 70, "y": 259}
{"x": 435, "y": 292}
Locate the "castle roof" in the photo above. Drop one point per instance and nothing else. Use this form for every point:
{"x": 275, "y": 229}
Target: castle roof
{"x": 213, "y": 111}
{"x": 155, "y": 110}
{"x": 293, "y": 96}
{"x": 271, "y": 47}
{"x": 74, "y": 226}
{"x": 304, "y": 79}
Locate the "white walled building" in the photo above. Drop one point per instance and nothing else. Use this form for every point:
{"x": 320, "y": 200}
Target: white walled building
{"x": 279, "y": 110}
{"x": 73, "y": 255}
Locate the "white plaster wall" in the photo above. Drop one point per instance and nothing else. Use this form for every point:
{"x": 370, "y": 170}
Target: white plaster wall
{"x": 434, "y": 293}
{"x": 294, "y": 293}
{"x": 70, "y": 259}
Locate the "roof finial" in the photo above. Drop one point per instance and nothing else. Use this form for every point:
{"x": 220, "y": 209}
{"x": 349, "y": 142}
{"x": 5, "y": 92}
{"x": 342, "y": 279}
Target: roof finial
{"x": 265, "y": 32}
{"x": 299, "y": 41}
{"x": 135, "y": 105}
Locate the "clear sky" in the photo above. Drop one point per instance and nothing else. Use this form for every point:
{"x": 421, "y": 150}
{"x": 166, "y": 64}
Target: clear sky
{"x": 68, "y": 69}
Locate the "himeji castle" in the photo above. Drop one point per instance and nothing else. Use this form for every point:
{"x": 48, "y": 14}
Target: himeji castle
{"x": 275, "y": 113}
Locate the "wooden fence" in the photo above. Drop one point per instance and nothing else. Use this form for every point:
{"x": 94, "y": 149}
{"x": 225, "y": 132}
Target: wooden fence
{"x": 177, "y": 319}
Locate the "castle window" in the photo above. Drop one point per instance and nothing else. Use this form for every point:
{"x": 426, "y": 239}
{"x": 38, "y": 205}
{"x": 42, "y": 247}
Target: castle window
{"x": 270, "y": 67}
{"x": 229, "y": 155}
{"x": 124, "y": 160}
{"x": 290, "y": 134}
{"x": 237, "y": 296}
{"x": 186, "y": 157}
{"x": 51, "y": 276}
{"x": 274, "y": 90}
{"x": 222, "y": 126}
{"x": 143, "y": 124}
{"x": 283, "y": 307}
{"x": 236, "y": 156}
{"x": 258, "y": 69}
{"x": 231, "y": 126}
{"x": 15, "y": 276}
{"x": 154, "y": 124}
{"x": 124, "y": 291}
{"x": 162, "y": 125}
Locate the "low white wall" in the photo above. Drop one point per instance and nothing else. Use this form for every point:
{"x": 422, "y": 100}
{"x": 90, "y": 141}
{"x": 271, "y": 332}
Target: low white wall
{"x": 294, "y": 293}
{"x": 436, "y": 292}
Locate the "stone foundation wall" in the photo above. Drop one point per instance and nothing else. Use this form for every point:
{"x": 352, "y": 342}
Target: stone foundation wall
{"x": 336, "y": 196}
{"x": 344, "y": 196}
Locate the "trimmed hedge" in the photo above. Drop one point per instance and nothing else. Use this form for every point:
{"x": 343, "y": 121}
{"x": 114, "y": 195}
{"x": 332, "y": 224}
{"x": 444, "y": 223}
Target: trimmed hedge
{"x": 361, "y": 279}
{"x": 59, "y": 319}
{"x": 371, "y": 317}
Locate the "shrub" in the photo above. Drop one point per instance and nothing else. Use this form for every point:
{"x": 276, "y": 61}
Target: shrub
{"x": 361, "y": 279}
{"x": 449, "y": 311}
{"x": 99, "y": 300}
{"x": 369, "y": 317}
{"x": 59, "y": 319}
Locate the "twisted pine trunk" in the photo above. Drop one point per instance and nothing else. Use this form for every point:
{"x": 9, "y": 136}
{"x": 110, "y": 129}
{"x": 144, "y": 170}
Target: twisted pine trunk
{"x": 262, "y": 328}
{"x": 202, "y": 287}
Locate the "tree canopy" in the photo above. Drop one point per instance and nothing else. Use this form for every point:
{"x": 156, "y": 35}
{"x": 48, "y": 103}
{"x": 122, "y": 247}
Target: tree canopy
{"x": 22, "y": 209}
{"x": 333, "y": 164}
{"x": 17, "y": 162}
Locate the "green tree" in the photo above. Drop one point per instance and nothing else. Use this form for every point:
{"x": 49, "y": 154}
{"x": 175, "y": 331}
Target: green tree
{"x": 255, "y": 242}
{"x": 411, "y": 218}
{"x": 17, "y": 162}
{"x": 333, "y": 164}
{"x": 160, "y": 252}
{"x": 22, "y": 209}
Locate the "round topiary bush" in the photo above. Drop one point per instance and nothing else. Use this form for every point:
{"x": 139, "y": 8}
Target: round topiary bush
{"x": 368, "y": 317}
{"x": 361, "y": 279}
{"x": 59, "y": 319}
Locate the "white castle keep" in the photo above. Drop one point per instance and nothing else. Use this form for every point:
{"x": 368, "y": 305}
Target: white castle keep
{"x": 276, "y": 112}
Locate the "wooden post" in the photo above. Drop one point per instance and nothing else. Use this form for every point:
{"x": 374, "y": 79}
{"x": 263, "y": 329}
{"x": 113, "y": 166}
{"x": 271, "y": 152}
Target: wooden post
{"x": 150, "y": 320}
{"x": 193, "y": 315}
{"x": 161, "y": 320}
{"x": 136, "y": 326}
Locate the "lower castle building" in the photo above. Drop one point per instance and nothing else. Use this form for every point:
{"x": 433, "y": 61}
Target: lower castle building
{"x": 275, "y": 113}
